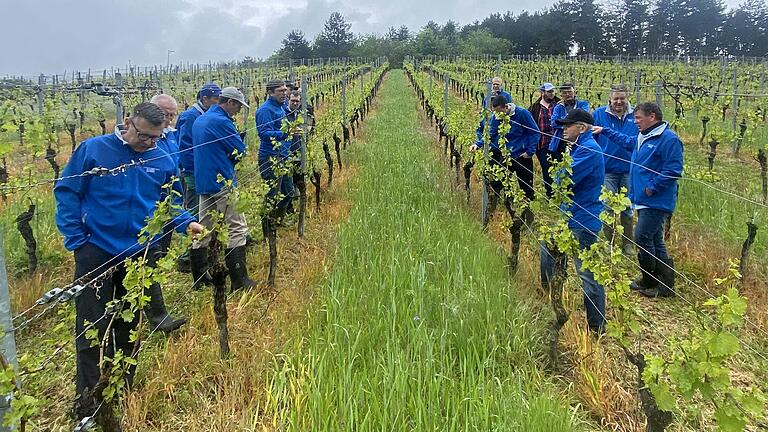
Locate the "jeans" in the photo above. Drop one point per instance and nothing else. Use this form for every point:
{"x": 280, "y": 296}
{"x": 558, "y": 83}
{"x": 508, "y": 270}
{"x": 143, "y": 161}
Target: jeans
{"x": 649, "y": 234}
{"x": 541, "y": 155}
{"x": 594, "y": 293}
{"x": 614, "y": 182}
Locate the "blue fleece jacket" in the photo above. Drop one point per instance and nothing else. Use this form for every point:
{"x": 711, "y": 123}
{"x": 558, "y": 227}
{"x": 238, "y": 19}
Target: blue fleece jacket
{"x": 494, "y": 122}
{"x": 523, "y": 135}
{"x": 217, "y": 147}
{"x": 110, "y": 211}
{"x": 184, "y": 127}
{"x": 588, "y": 177}
{"x": 558, "y": 113}
{"x": 617, "y": 152}
{"x": 657, "y": 164}
{"x": 272, "y": 140}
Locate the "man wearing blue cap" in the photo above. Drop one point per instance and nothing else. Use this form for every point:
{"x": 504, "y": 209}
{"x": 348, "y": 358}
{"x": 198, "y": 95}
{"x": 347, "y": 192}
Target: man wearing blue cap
{"x": 542, "y": 110}
{"x": 206, "y": 97}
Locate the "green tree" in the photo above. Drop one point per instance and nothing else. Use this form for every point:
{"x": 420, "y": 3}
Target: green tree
{"x": 481, "y": 42}
{"x": 295, "y": 46}
{"x": 744, "y": 32}
{"x": 336, "y": 39}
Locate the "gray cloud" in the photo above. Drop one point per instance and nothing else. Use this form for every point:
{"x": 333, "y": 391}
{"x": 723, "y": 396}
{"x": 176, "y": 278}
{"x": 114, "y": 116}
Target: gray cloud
{"x": 52, "y": 36}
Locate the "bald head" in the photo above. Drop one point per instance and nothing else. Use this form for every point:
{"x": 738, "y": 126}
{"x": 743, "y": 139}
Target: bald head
{"x": 497, "y": 84}
{"x": 169, "y": 106}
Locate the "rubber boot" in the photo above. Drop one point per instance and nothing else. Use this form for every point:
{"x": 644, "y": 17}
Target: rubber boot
{"x": 626, "y": 245}
{"x": 238, "y": 272}
{"x": 199, "y": 261}
{"x": 157, "y": 314}
{"x": 646, "y": 280}
{"x": 665, "y": 272}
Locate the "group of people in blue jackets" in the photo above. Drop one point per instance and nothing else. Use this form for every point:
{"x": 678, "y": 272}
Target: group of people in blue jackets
{"x": 616, "y": 146}
{"x": 101, "y": 217}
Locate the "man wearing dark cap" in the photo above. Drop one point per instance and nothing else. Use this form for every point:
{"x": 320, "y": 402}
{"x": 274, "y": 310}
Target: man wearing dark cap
{"x": 542, "y": 110}
{"x": 217, "y": 148}
{"x": 588, "y": 175}
{"x": 274, "y": 151}
{"x": 207, "y": 96}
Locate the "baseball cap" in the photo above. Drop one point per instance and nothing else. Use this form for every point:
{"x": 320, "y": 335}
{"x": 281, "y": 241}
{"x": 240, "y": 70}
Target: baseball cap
{"x": 547, "y": 87}
{"x": 576, "y": 116}
{"x": 209, "y": 89}
{"x": 234, "y": 93}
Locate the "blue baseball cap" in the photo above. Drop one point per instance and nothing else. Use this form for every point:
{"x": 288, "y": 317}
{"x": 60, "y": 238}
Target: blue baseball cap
{"x": 547, "y": 87}
{"x": 209, "y": 89}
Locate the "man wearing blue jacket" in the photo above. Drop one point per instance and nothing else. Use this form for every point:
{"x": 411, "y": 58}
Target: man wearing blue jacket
{"x": 274, "y": 151}
{"x": 588, "y": 170}
{"x": 657, "y": 164}
{"x": 568, "y": 102}
{"x": 206, "y": 98}
{"x": 217, "y": 148}
{"x": 497, "y": 89}
{"x": 617, "y": 115}
{"x": 520, "y": 142}
{"x": 100, "y": 218}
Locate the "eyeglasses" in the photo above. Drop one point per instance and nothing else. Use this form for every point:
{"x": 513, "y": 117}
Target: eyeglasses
{"x": 145, "y": 136}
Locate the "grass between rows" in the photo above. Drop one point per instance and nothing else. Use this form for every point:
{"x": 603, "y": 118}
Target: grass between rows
{"x": 417, "y": 326}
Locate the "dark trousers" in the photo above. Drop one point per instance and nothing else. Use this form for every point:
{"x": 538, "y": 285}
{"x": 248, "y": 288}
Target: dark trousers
{"x": 521, "y": 167}
{"x": 542, "y": 154}
{"x": 282, "y": 184}
{"x": 649, "y": 234}
{"x": 91, "y": 305}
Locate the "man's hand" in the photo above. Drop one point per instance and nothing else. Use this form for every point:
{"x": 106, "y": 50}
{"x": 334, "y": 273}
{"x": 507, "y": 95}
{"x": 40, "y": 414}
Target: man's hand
{"x": 525, "y": 155}
{"x": 648, "y": 192}
{"x": 473, "y": 147}
{"x": 596, "y": 129}
{"x": 297, "y": 131}
{"x": 195, "y": 228}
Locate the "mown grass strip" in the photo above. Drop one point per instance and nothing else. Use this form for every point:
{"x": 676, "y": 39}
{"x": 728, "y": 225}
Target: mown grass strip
{"x": 418, "y": 327}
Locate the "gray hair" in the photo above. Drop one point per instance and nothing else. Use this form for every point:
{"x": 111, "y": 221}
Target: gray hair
{"x": 160, "y": 98}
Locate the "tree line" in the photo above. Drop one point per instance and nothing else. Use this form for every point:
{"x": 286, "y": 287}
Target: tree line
{"x": 609, "y": 28}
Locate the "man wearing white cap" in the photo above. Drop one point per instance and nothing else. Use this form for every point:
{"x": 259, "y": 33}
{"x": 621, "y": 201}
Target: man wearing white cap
{"x": 218, "y": 147}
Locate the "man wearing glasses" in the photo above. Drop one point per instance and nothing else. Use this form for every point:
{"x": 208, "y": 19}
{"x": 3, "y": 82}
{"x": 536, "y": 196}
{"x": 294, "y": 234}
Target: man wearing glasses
{"x": 217, "y": 147}
{"x": 100, "y": 218}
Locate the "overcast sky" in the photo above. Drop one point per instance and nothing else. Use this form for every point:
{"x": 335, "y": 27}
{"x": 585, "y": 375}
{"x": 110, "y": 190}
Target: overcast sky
{"x": 53, "y": 36}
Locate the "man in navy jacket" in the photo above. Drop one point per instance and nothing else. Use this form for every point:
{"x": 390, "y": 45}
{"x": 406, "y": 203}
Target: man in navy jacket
{"x": 206, "y": 98}
{"x": 567, "y": 103}
{"x": 588, "y": 170}
{"x": 274, "y": 152}
{"x": 520, "y": 141}
{"x": 217, "y": 148}
{"x": 617, "y": 115}
{"x": 657, "y": 164}
{"x": 100, "y": 218}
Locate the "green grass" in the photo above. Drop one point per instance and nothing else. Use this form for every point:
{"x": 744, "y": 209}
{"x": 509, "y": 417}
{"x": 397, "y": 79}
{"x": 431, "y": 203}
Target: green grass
{"x": 418, "y": 327}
